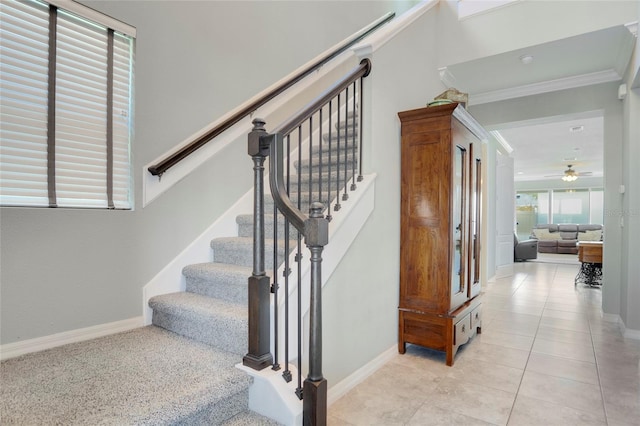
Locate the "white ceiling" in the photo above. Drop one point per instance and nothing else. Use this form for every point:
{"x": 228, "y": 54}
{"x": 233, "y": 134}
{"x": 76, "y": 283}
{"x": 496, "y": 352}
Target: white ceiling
{"x": 543, "y": 148}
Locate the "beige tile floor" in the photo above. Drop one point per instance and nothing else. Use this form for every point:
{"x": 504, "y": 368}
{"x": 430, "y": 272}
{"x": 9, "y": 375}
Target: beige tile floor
{"x": 545, "y": 357}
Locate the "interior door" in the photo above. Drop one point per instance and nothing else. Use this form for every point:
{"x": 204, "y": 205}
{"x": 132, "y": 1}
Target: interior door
{"x": 505, "y": 214}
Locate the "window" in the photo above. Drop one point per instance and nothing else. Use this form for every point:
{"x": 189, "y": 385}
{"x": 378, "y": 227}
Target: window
{"x": 570, "y": 206}
{"x": 65, "y": 106}
{"x": 579, "y": 206}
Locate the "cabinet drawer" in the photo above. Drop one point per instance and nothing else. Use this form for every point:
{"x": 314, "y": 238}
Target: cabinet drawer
{"x": 462, "y": 331}
{"x": 476, "y": 318}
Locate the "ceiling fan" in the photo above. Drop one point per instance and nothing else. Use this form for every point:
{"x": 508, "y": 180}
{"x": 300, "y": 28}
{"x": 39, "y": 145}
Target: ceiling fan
{"x": 570, "y": 174}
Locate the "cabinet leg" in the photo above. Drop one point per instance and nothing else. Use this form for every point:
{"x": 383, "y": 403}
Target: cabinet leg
{"x": 449, "y": 357}
{"x": 479, "y": 330}
{"x": 402, "y": 347}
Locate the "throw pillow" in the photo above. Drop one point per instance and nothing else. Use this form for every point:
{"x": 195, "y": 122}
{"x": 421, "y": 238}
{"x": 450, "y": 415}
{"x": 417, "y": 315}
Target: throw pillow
{"x": 595, "y": 235}
{"x": 544, "y": 234}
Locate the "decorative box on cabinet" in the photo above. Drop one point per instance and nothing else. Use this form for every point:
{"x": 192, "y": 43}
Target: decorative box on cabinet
{"x": 441, "y": 181}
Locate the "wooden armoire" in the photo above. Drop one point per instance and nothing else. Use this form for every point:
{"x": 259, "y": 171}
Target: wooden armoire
{"x": 440, "y": 306}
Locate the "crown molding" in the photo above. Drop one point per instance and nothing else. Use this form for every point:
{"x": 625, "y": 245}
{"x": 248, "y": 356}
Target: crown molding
{"x": 467, "y": 119}
{"x": 502, "y": 141}
{"x": 599, "y": 77}
{"x": 632, "y": 27}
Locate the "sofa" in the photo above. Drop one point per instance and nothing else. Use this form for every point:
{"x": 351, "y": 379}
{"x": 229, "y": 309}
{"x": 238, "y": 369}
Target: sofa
{"x": 564, "y": 237}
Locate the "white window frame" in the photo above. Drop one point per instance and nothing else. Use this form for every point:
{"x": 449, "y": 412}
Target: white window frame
{"x": 66, "y": 119}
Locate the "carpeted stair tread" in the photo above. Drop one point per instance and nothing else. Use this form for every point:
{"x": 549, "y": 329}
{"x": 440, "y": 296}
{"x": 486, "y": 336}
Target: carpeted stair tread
{"x": 209, "y": 320}
{"x": 220, "y": 280}
{"x": 239, "y": 250}
{"x": 146, "y": 376}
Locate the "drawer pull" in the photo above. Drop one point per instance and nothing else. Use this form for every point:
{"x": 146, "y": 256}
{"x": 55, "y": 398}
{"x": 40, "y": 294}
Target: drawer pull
{"x": 464, "y": 327}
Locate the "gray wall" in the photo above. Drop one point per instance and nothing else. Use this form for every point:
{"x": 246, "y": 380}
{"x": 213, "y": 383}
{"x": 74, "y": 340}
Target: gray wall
{"x": 360, "y": 301}
{"x": 64, "y": 269}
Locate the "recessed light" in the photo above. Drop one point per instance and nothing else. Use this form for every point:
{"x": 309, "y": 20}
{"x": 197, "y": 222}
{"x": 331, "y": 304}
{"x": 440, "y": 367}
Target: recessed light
{"x": 526, "y": 59}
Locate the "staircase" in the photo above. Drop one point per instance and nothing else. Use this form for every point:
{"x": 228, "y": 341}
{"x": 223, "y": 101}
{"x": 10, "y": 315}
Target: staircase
{"x": 213, "y": 308}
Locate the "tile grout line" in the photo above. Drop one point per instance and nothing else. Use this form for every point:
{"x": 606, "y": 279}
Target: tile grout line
{"x": 524, "y": 370}
{"x": 595, "y": 357}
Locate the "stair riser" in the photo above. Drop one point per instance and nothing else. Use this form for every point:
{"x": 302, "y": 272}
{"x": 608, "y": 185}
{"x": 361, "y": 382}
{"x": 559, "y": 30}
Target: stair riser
{"x": 218, "y": 413}
{"x": 243, "y": 255}
{"x": 325, "y": 177}
{"x": 335, "y": 159}
{"x": 218, "y": 288}
{"x": 350, "y": 144}
{"x": 245, "y": 228}
{"x": 222, "y": 333}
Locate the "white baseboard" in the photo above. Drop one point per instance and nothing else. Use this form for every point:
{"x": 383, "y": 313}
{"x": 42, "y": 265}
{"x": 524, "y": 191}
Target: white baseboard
{"x": 630, "y": 333}
{"x": 11, "y": 350}
{"x": 340, "y": 389}
{"x": 504, "y": 271}
{"x": 612, "y": 318}
{"x": 627, "y": 333}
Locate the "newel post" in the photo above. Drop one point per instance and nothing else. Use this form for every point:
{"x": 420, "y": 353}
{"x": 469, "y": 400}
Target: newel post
{"x": 315, "y": 385}
{"x": 259, "y": 355}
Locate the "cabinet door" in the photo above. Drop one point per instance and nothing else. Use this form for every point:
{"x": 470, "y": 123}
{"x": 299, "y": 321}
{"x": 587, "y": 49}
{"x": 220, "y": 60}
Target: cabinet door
{"x": 458, "y": 228}
{"x": 475, "y": 226}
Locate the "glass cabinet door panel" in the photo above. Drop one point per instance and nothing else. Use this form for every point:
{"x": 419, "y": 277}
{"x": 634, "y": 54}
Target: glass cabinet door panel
{"x": 458, "y": 293}
{"x": 475, "y": 212}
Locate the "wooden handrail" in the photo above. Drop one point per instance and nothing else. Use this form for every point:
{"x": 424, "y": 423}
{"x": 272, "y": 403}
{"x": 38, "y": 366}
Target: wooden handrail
{"x": 159, "y": 168}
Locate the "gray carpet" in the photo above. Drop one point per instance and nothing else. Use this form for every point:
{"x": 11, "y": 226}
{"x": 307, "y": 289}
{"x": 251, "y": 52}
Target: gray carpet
{"x": 145, "y": 376}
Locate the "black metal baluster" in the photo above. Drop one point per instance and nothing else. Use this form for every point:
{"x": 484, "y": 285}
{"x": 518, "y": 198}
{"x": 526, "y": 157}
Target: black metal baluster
{"x": 286, "y": 374}
{"x": 299, "y": 261}
{"x": 345, "y": 196}
{"x": 337, "y": 206}
{"x": 353, "y": 142}
{"x": 321, "y": 154}
{"x": 274, "y": 289}
{"x": 310, "y": 160}
{"x": 360, "y": 177}
{"x": 329, "y": 217}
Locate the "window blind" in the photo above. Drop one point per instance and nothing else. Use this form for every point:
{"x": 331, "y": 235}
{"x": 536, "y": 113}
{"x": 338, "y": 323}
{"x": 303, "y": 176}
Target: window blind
{"x": 65, "y": 108}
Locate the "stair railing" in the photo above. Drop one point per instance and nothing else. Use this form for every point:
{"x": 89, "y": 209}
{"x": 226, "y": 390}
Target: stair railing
{"x": 325, "y": 138}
